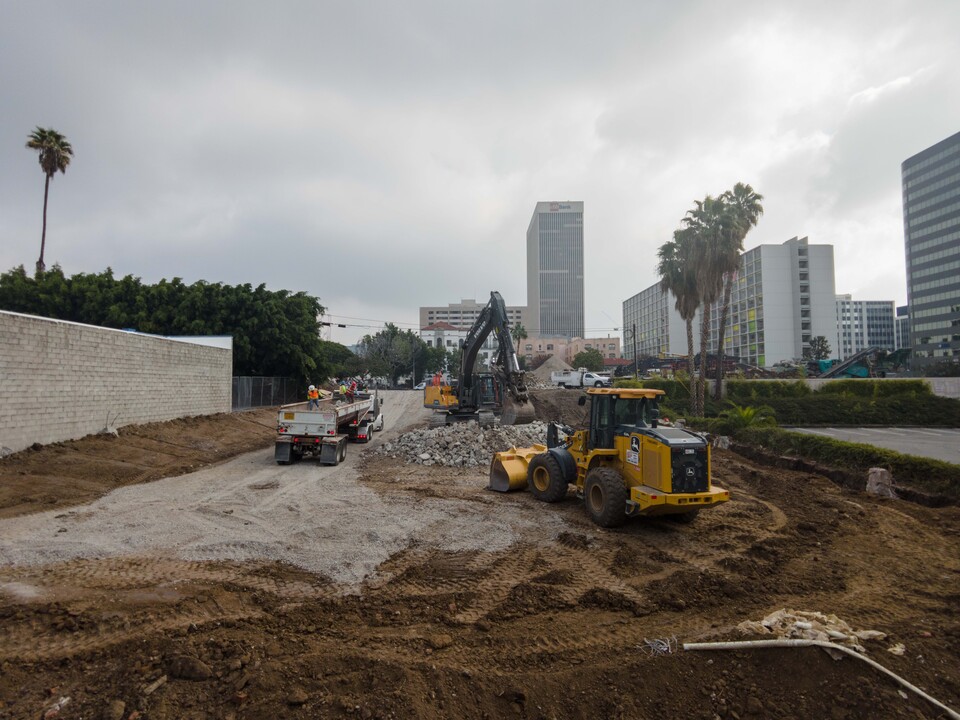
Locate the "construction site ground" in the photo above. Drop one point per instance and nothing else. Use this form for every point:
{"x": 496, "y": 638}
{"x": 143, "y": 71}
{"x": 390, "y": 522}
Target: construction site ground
{"x": 176, "y": 571}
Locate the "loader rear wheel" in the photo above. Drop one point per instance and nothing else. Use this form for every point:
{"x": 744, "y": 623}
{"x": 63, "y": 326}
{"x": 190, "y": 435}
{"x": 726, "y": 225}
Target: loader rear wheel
{"x": 545, "y": 478}
{"x": 605, "y": 497}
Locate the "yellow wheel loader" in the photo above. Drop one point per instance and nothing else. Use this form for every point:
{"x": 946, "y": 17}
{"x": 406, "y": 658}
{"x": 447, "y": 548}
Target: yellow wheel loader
{"x": 623, "y": 464}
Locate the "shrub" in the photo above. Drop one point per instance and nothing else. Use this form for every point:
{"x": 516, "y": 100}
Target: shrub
{"x": 877, "y": 388}
{"x": 748, "y": 390}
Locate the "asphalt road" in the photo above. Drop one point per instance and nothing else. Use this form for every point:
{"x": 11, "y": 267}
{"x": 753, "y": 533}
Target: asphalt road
{"x": 938, "y": 443}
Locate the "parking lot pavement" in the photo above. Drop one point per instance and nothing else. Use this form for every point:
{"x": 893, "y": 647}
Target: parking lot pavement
{"x": 938, "y": 443}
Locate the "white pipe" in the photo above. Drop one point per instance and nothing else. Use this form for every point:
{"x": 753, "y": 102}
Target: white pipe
{"x": 786, "y": 642}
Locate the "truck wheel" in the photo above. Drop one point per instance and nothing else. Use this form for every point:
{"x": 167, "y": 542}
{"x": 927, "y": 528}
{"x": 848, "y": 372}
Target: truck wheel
{"x": 605, "y": 497}
{"x": 564, "y": 386}
{"x": 598, "y": 384}
{"x": 545, "y": 478}
{"x": 343, "y": 452}
{"x": 687, "y": 517}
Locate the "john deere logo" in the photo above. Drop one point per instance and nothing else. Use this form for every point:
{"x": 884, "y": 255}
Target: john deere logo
{"x": 635, "y": 444}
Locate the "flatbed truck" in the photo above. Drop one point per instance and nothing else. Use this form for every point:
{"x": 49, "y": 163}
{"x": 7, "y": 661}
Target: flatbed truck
{"x": 323, "y": 433}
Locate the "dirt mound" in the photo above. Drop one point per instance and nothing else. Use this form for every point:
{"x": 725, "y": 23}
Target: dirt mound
{"x": 560, "y": 405}
{"x": 68, "y": 473}
{"x": 554, "y": 363}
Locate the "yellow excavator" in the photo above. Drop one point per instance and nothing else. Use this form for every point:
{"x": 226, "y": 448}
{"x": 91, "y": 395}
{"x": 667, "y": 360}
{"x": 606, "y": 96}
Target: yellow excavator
{"x": 623, "y": 464}
{"x": 477, "y": 396}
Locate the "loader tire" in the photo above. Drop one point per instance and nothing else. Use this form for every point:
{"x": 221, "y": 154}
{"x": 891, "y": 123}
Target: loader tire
{"x": 605, "y": 497}
{"x": 545, "y": 478}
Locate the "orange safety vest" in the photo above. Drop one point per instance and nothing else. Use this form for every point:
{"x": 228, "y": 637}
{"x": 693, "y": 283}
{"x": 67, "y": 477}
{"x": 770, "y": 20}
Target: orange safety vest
{"x": 313, "y": 394}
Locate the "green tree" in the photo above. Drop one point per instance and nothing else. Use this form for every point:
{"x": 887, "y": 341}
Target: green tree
{"x": 743, "y": 203}
{"x": 392, "y": 353}
{"x": 55, "y": 153}
{"x": 820, "y": 348}
{"x": 591, "y": 359}
{"x": 678, "y": 276}
{"x": 518, "y": 332}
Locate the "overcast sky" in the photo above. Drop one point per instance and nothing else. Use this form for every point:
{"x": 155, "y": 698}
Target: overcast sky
{"x": 384, "y": 156}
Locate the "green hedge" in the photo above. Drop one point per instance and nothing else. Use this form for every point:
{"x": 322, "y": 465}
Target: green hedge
{"x": 878, "y": 389}
{"x": 927, "y": 475}
{"x": 822, "y": 409}
{"x": 740, "y": 391}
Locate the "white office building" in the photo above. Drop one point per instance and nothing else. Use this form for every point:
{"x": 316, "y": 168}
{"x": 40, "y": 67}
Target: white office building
{"x": 863, "y": 324}
{"x": 783, "y": 296}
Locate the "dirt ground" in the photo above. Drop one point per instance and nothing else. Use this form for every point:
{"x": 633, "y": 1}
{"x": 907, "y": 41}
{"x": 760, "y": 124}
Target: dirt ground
{"x": 476, "y": 604}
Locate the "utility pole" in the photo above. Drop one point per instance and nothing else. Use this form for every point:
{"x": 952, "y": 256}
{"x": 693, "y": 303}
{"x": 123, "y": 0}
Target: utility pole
{"x": 636, "y": 360}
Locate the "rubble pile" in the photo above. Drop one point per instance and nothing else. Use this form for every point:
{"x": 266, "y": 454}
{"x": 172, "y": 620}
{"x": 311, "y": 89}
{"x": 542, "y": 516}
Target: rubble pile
{"x": 463, "y": 444}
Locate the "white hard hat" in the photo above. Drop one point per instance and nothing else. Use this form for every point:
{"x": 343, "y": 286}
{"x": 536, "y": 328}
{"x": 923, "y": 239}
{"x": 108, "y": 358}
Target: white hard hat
{"x": 311, "y": 388}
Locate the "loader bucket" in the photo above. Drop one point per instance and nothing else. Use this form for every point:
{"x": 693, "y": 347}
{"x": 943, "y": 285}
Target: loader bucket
{"x": 508, "y": 470}
{"x": 517, "y": 413}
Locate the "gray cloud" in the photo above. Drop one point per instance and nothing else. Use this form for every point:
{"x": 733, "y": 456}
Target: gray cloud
{"x": 386, "y": 156}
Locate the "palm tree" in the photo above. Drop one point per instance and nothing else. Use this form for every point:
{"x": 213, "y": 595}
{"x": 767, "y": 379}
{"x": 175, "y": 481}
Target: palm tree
{"x": 518, "y": 332}
{"x": 744, "y": 205}
{"x": 707, "y": 224}
{"x": 678, "y": 276}
{"x": 55, "y": 153}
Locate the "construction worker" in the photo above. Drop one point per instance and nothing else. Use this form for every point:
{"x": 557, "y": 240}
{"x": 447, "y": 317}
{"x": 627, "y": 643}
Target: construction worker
{"x": 343, "y": 389}
{"x": 313, "y": 398}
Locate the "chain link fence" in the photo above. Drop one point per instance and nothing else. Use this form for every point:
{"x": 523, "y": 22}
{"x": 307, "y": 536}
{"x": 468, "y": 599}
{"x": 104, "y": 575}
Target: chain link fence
{"x": 249, "y": 392}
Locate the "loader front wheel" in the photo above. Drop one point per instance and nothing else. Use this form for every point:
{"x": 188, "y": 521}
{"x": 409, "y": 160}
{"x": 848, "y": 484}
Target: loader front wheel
{"x": 545, "y": 478}
{"x": 605, "y": 497}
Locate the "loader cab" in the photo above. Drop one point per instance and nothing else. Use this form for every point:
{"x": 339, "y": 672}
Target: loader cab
{"x": 619, "y": 412}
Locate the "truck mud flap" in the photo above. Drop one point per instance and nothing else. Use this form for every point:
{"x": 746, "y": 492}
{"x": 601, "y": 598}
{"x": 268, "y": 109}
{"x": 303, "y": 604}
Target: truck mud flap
{"x": 283, "y": 453}
{"x": 331, "y": 453}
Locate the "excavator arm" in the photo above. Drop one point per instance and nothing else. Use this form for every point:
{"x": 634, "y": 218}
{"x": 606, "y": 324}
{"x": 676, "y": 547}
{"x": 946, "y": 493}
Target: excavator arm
{"x": 517, "y": 409}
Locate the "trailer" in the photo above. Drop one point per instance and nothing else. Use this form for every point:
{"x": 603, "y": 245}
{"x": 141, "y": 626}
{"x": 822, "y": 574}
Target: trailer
{"x": 323, "y": 433}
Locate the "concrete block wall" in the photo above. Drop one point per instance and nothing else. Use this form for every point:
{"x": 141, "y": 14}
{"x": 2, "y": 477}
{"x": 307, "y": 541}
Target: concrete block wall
{"x": 61, "y": 380}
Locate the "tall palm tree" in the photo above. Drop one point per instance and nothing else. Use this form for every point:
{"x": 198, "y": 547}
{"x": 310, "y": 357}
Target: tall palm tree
{"x": 518, "y": 332}
{"x": 707, "y": 224}
{"x": 678, "y": 276}
{"x": 55, "y": 153}
{"x": 743, "y": 203}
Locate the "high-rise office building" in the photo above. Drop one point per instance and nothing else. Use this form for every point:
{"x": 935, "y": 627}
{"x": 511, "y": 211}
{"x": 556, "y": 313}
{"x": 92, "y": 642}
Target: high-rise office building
{"x": 931, "y": 229}
{"x": 555, "y": 270}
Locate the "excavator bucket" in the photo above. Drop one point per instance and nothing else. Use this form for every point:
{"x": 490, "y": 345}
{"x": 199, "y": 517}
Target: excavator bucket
{"x": 516, "y": 412}
{"x": 508, "y": 470}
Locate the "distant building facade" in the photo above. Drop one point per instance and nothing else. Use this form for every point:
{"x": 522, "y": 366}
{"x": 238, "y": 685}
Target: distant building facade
{"x": 783, "y": 296}
{"x": 534, "y": 346}
{"x": 931, "y": 229}
{"x": 651, "y": 325}
{"x": 862, "y": 324}
{"x": 608, "y": 347}
{"x": 464, "y": 314}
{"x": 903, "y": 327}
{"x": 555, "y": 270}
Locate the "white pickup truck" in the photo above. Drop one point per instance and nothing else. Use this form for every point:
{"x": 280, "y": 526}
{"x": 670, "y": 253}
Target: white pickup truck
{"x": 579, "y": 378}
{"x": 323, "y": 433}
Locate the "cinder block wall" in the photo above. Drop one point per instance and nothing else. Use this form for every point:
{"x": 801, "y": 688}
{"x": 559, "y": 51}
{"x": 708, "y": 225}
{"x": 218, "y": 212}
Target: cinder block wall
{"x": 61, "y": 380}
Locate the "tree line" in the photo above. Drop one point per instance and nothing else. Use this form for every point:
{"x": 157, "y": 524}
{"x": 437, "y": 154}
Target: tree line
{"x": 274, "y": 332}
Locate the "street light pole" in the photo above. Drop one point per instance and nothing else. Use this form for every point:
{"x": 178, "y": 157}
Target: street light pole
{"x": 636, "y": 360}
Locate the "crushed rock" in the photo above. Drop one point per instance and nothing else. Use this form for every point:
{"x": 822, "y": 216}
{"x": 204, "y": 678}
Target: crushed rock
{"x": 463, "y": 444}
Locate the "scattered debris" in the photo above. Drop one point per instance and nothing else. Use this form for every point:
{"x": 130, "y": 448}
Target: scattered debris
{"x": 800, "y": 624}
{"x": 658, "y": 646}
